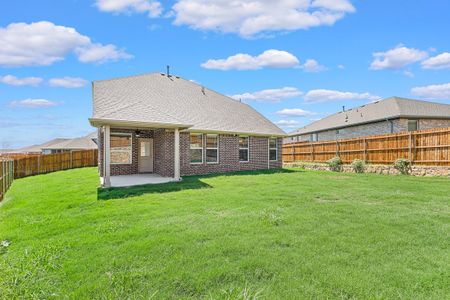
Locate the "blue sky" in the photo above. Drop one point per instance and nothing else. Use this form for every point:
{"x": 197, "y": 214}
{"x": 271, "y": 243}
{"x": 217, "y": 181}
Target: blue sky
{"x": 300, "y": 60}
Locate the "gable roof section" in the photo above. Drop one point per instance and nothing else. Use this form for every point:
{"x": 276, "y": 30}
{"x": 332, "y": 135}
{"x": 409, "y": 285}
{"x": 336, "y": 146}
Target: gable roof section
{"x": 387, "y": 109}
{"x": 157, "y": 99}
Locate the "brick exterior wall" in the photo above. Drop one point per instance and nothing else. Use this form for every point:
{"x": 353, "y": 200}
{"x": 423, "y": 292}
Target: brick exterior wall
{"x": 376, "y": 128}
{"x": 163, "y": 141}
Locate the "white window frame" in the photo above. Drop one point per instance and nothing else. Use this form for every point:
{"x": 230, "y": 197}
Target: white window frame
{"x": 196, "y": 148}
{"x": 244, "y": 148}
{"x": 131, "y": 148}
{"x": 212, "y": 148}
{"x": 314, "y": 137}
{"x": 276, "y": 149}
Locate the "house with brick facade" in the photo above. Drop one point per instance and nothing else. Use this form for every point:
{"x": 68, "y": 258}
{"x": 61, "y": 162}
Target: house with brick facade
{"x": 391, "y": 115}
{"x": 169, "y": 127}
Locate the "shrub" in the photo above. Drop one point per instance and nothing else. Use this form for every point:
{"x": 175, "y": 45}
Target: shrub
{"x": 335, "y": 164}
{"x": 403, "y": 165}
{"x": 358, "y": 166}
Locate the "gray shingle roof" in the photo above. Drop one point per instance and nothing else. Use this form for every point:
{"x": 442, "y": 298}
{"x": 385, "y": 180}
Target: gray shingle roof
{"x": 155, "y": 98}
{"x": 389, "y": 108}
{"x": 81, "y": 143}
{"x": 38, "y": 148}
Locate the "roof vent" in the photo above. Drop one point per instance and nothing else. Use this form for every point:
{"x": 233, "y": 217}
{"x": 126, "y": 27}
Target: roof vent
{"x": 168, "y": 71}
{"x": 203, "y": 90}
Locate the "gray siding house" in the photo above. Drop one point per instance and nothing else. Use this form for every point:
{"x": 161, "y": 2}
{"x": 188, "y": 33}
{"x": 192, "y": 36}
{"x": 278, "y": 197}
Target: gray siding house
{"x": 165, "y": 125}
{"x": 391, "y": 115}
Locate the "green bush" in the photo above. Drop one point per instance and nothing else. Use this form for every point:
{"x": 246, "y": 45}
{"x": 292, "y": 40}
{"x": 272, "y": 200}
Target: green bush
{"x": 335, "y": 164}
{"x": 403, "y": 165}
{"x": 358, "y": 166}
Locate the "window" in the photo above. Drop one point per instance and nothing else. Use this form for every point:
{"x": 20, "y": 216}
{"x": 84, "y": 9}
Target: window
{"x": 273, "y": 150}
{"x": 314, "y": 137}
{"x": 120, "y": 148}
{"x": 243, "y": 148}
{"x": 196, "y": 148}
{"x": 145, "y": 148}
{"x": 212, "y": 148}
{"x": 413, "y": 125}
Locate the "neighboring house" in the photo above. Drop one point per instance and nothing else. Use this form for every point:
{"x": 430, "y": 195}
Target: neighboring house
{"x": 386, "y": 116}
{"x": 60, "y": 145}
{"x": 163, "y": 124}
{"x": 88, "y": 142}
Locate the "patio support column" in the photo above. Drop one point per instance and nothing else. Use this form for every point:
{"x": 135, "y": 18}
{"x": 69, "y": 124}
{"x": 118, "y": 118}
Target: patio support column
{"x": 177, "y": 155}
{"x": 107, "y": 156}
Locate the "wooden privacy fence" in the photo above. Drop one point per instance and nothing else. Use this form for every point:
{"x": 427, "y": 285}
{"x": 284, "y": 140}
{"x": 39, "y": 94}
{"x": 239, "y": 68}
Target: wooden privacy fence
{"x": 6, "y": 176}
{"x": 41, "y": 164}
{"x": 424, "y": 147}
{"x": 47, "y": 163}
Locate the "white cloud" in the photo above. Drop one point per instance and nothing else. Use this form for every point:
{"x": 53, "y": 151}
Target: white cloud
{"x": 322, "y": 95}
{"x": 67, "y": 82}
{"x": 269, "y": 95}
{"x": 101, "y": 53}
{"x": 13, "y": 80}
{"x": 342, "y": 67}
{"x": 408, "y": 73}
{"x": 44, "y": 43}
{"x": 294, "y": 112}
{"x": 441, "y": 61}
{"x": 33, "y": 103}
{"x": 153, "y": 8}
{"x": 397, "y": 58}
{"x": 268, "y": 59}
{"x": 288, "y": 123}
{"x": 437, "y": 91}
{"x": 248, "y": 18}
{"x": 312, "y": 66}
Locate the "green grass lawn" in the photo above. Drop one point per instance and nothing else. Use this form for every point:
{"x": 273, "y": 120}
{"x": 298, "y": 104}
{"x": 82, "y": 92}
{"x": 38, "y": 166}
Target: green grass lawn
{"x": 272, "y": 235}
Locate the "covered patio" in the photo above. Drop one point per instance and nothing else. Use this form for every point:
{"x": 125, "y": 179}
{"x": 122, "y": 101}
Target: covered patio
{"x": 163, "y": 153}
{"x": 136, "y": 179}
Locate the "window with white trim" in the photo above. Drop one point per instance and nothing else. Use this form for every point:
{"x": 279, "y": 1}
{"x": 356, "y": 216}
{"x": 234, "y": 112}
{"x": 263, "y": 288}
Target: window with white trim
{"x": 273, "y": 149}
{"x": 196, "y": 148}
{"x": 244, "y": 143}
{"x": 212, "y": 148}
{"x": 120, "y": 149}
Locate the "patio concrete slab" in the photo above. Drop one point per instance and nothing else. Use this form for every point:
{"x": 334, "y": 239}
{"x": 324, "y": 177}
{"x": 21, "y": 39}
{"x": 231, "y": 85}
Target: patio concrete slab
{"x": 137, "y": 179}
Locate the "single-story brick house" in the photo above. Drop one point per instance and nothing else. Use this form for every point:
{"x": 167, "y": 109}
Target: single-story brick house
{"x": 391, "y": 115}
{"x": 163, "y": 124}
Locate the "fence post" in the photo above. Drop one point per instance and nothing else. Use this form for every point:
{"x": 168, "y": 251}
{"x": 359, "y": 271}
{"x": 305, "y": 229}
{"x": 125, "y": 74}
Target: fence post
{"x": 71, "y": 159}
{"x": 293, "y": 153}
{"x": 337, "y": 147}
{"x": 365, "y": 149}
{"x": 410, "y": 146}
{"x": 1, "y": 181}
{"x": 3, "y": 178}
{"x": 39, "y": 164}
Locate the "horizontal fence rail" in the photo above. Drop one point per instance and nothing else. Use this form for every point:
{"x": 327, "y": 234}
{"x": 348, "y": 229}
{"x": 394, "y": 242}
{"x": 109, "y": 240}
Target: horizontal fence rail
{"x": 424, "y": 147}
{"x": 41, "y": 164}
{"x": 6, "y": 176}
